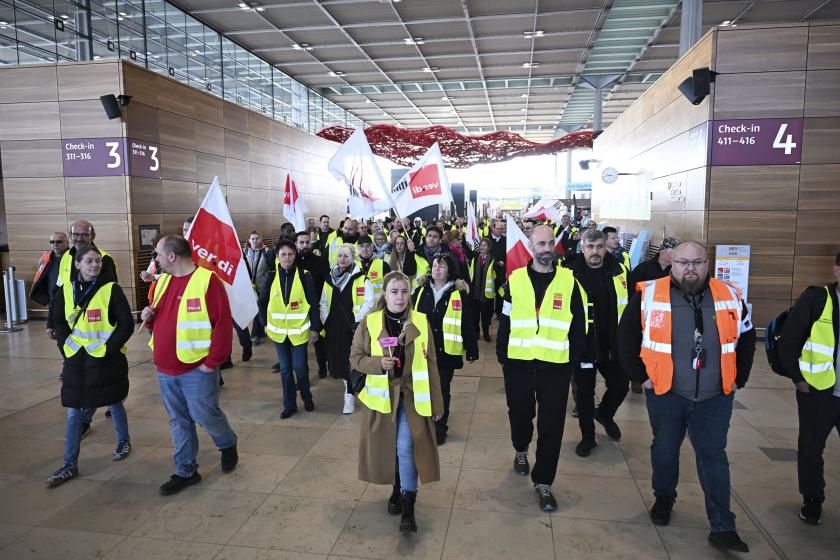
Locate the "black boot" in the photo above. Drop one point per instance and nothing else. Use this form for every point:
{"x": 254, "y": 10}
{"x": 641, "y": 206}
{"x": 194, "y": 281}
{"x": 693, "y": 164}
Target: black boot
{"x": 394, "y": 502}
{"x": 407, "y": 522}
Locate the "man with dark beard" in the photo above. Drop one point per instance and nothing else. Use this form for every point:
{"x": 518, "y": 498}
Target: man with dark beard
{"x": 689, "y": 339}
{"x": 319, "y": 269}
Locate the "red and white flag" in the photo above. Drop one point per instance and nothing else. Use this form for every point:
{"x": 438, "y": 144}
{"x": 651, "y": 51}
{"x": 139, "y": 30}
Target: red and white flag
{"x": 471, "y": 236}
{"x": 354, "y": 165}
{"x": 545, "y": 209}
{"x": 215, "y": 246}
{"x": 423, "y": 185}
{"x": 518, "y": 247}
{"x": 293, "y": 206}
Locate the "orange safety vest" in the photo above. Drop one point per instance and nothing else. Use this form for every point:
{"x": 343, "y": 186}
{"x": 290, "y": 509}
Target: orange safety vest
{"x": 42, "y": 265}
{"x": 656, "y": 331}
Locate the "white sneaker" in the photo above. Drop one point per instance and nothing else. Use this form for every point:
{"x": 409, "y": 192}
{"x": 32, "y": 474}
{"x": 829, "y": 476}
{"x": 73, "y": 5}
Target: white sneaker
{"x": 349, "y": 404}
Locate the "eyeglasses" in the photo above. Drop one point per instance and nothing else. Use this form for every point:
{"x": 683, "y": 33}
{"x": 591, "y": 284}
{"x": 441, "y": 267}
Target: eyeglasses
{"x": 687, "y": 264}
{"x": 54, "y": 241}
{"x": 77, "y": 234}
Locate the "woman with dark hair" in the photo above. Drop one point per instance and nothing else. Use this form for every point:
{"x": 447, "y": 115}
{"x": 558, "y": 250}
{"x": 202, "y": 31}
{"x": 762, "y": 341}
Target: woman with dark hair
{"x": 444, "y": 299}
{"x": 402, "y": 256}
{"x": 461, "y": 253}
{"x": 346, "y": 299}
{"x": 483, "y": 287}
{"x": 402, "y": 398}
{"x": 92, "y": 324}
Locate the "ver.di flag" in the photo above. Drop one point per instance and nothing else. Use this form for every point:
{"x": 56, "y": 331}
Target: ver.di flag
{"x": 518, "y": 247}
{"x": 423, "y": 185}
{"x": 215, "y": 246}
{"x": 293, "y": 206}
{"x": 354, "y": 165}
{"x": 471, "y": 236}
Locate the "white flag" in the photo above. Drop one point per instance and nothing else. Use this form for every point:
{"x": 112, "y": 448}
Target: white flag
{"x": 293, "y": 206}
{"x": 472, "y": 236}
{"x": 423, "y": 185}
{"x": 354, "y": 165}
{"x": 215, "y": 246}
{"x": 545, "y": 209}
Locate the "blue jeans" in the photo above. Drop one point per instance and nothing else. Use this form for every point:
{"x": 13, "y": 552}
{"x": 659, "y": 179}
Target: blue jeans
{"x": 293, "y": 358}
{"x": 77, "y": 421}
{"x": 405, "y": 452}
{"x": 707, "y": 424}
{"x": 192, "y": 398}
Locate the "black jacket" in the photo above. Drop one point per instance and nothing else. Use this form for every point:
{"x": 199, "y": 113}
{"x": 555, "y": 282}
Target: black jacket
{"x": 499, "y": 253}
{"x": 435, "y": 315}
{"x": 630, "y": 344}
{"x": 312, "y": 298}
{"x": 647, "y": 270}
{"x": 797, "y": 329}
{"x": 577, "y": 331}
{"x": 88, "y": 382}
{"x": 612, "y": 268}
{"x": 317, "y": 267}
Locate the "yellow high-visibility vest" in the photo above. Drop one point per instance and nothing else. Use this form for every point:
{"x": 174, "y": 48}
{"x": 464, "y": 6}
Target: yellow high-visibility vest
{"x": 193, "y": 329}
{"x": 93, "y": 327}
{"x": 542, "y": 335}
{"x": 65, "y": 266}
{"x": 489, "y": 280}
{"x": 376, "y": 394}
{"x": 453, "y": 341}
{"x": 816, "y": 362}
{"x": 288, "y": 320}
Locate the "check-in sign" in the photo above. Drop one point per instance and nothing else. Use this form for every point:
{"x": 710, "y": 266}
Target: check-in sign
{"x": 757, "y": 142}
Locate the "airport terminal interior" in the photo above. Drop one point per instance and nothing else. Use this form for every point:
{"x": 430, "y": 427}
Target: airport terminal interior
{"x": 713, "y": 121}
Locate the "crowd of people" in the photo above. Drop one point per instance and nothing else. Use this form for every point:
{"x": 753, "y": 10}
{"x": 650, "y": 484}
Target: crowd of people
{"x": 393, "y": 307}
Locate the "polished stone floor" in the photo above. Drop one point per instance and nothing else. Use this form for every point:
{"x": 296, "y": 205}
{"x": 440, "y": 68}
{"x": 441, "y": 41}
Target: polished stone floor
{"x": 295, "y": 493}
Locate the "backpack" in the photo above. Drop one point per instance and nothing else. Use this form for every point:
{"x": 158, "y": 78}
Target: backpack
{"x": 772, "y": 334}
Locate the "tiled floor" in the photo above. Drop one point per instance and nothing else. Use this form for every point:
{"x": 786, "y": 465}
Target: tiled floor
{"x": 295, "y": 493}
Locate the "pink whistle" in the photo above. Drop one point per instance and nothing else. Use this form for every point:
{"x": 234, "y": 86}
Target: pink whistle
{"x": 389, "y": 342}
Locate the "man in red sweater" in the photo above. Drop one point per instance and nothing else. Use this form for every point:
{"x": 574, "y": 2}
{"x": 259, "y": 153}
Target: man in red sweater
{"x": 191, "y": 337}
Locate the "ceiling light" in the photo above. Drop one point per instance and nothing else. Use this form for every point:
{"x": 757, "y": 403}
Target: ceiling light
{"x": 446, "y": 98}
{"x": 97, "y": 57}
{"x": 336, "y": 73}
{"x": 123, "y": 14}
{"x": 534, "y": 34}
{"x": 243, "y": 5}
{"x": 4, "y": 23}
{"x": 522, "y": 120}
{"x": 726, "y": 22}
{"x": 65, "y": 16}
{"x": 384, "y": 114}
{"x": 414, "y": 41}
{"x": 523, "y": 109}
{"x": 530, "y": 64}
{"x": 525, "y": 95}
{"x": 430, "y": 68}
{"x": 120, "y": 18}
{"x": 302, "y": 47}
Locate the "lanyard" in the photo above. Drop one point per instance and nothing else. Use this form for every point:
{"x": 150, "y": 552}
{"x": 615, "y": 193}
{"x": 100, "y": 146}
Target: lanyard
{"x": 76, "y": 299}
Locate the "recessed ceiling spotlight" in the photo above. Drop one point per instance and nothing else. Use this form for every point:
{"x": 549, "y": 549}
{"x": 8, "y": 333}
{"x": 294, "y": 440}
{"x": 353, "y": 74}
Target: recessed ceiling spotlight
{"x": 525, "y": 95}
{"x": 726, "y": 22}
{"x": 534, "y": 34}
{"x": 302, "y": 46}
{"x": 430, "y": 69}
{"x": 530, "y": 64}
{"x": 522, "y": 121}
{"x": 523, "y": 109}
{"x": 336, "y": 73}
{"x": 414, "y": 41}
{"x": 446, "y": 98}
{"x": 65, "y": 16}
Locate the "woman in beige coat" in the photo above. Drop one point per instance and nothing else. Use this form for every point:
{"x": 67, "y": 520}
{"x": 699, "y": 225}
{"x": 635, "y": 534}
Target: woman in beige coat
{"x": 402, "y": 397}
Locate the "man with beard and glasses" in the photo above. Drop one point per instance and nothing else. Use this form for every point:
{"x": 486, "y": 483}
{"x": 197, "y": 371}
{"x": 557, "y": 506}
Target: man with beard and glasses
{"x": 541, "y": 334}
{"x": 689, "y": 339}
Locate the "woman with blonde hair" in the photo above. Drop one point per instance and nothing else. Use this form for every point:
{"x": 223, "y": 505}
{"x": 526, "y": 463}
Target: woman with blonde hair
{"x": 402, "y": 256}
{"x": 346, "y": 299}
{"x": 394, "y": 348}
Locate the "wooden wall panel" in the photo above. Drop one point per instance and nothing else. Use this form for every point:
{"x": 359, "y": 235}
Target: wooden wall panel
{"x": 819, "y": 142}
{"x": 821, "y": 95}
{"x": 32, "y": 158}
{"x": 209, "y": 166}
{"x": 769, "y": 233}
{"x": 761, "y": 50}
{"x": 35, "y": 196}
{"x": 771, "y": 277}
{"x": 824, "y": 47}
{"x": 28, "y": 234}
{"x": 811, "y": 271}
{"x": 179, "y": 196}
{"x": 760, "y": 95}
{"x": 28, "y": 84}
{"x": 819, "y": 187}
{"x": 88, "y": 80}
{"x": 146, "y": 196}
{"x": 29, "y": 121}
{"x": 768, "y": 187}
{"x": 112, "y": 232}
{"x": 96, "y": 195}
{"x": 258, "y": 126}
{"x": 238, "y": 172}
{"x": 176, "y": 130}
{"x": 178, "y": 164}
{"x": 175, "y": 97}
{"x": 818, "y": 233}
{"x": 142, "y": 122}
{"x": 87, "y": 119}
{"x": 209, "y": 138}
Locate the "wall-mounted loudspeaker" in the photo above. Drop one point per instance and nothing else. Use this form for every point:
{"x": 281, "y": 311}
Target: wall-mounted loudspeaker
{"x": 112, "y": 103}
{"x": 698, "y": 86}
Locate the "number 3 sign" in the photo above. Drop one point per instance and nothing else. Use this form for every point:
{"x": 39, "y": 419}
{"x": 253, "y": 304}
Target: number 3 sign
{"x": 102, "y": 157}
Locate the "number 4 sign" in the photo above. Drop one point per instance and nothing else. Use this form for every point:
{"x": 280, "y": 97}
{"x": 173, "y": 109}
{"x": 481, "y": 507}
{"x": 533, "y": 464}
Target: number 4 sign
{"x": 756, "y": 142}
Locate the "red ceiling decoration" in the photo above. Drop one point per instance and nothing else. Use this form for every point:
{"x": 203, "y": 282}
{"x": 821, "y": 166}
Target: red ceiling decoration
{"x": 405, "y": 147}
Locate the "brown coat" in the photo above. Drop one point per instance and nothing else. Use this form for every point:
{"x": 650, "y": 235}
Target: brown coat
{"x": 378, "y": 442}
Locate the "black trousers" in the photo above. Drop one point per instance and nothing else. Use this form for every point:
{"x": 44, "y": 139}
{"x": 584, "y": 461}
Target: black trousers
{"x": 321, "y": 353}
{"x": 819, "y": 413}
{"x": 618, "y": 384}
{"x": 482, "y": 313}
{"x": 243, "y": 335}
{"x": 446, "y": 375}
{"x": 541, "y": 393}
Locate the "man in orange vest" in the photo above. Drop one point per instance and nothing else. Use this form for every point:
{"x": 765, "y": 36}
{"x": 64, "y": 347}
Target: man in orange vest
{"x": 44, "y": 284}
{"x": 689, "y": 339}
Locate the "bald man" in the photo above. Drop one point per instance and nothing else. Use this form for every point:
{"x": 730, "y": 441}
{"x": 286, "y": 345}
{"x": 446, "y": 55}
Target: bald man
{"x": 83, "y": 233}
